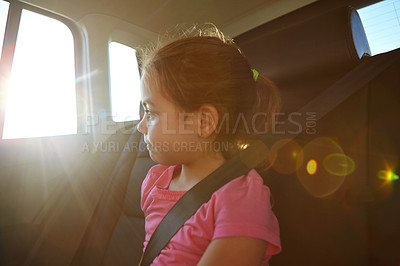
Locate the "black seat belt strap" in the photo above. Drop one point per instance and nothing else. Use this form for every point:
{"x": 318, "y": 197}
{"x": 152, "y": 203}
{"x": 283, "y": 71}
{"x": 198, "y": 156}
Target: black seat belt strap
{"x": 250, "y": 158}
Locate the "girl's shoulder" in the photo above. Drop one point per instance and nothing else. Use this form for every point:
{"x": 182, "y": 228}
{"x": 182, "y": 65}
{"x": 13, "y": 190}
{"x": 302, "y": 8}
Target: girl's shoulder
{"x": 251, "y": 182}
{"x": 247, "y": 192}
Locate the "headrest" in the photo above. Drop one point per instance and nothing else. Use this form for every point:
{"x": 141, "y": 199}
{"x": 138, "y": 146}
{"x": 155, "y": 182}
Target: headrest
{"x": 325, "y": 44}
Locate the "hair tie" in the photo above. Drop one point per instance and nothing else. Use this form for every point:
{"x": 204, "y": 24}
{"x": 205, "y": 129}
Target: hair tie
{"x": 255, "y": 74}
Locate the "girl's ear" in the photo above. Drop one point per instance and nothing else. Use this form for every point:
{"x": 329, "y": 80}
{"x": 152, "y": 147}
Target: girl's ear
{"x": 208, "y": 120}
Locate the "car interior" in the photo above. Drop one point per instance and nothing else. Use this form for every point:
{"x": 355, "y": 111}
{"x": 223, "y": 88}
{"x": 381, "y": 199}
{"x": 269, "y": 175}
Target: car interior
{"x": 74, "y": 199}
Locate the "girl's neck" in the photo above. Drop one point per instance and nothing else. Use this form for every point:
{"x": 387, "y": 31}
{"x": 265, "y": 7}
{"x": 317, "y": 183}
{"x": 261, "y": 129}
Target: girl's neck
{"x": 192, "y": 173}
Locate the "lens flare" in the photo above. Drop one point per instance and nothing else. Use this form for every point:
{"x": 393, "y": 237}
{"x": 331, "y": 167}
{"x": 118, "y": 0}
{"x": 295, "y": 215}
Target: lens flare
{"x": 385, "y": 167}
{"x": 284, "y": 156}
{"x": 311, "y": 167}
{"x": 339, "y": 164}
{"x": 383, "y": 156}
{"x": 387, "y": 175}
{"x": 317, "y": 180}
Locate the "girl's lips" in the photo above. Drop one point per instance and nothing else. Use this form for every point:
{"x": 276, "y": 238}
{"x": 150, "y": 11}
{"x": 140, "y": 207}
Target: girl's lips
{"x": 148, "y": 145}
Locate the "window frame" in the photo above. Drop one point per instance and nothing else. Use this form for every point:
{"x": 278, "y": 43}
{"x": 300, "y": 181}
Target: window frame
{"x": 10, "y": 39}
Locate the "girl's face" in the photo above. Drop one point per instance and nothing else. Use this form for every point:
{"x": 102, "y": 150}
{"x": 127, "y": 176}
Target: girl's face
{"x": 170, "y": 134}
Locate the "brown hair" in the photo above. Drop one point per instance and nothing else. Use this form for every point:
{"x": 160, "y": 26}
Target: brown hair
{"x": 205, "y": 67}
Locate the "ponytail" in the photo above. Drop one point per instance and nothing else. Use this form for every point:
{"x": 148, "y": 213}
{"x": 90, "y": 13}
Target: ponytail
{"x": 268, "y": 102}
{"x": 264, "y": 103}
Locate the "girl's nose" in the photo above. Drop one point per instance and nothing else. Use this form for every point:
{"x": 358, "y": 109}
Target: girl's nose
{"x": 141, "y": 127}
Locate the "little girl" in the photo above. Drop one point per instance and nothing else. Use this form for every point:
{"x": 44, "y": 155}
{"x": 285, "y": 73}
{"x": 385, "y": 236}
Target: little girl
{"x": 203, "y": 104}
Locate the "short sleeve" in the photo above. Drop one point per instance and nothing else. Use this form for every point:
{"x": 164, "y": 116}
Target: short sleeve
{"x": 242, "y": 208}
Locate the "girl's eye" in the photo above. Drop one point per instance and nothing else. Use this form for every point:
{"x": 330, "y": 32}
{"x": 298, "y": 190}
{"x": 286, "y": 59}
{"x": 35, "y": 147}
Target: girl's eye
{"x": 150, "y": 115}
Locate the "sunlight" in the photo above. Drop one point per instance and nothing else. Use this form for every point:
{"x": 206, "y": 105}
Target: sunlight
{"x": 41, "y": 99}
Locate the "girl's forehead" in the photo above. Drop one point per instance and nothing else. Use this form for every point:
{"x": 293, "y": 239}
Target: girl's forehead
{"x": 149, "y": 87}
{"x": 150, "y": 82}
{"x": 148, "y": 97}
{"x": 153, "y": 94}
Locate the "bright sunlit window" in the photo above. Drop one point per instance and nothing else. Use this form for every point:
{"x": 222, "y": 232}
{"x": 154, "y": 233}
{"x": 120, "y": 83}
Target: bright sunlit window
{"x": 3, "y": 20}
{"x": 382, "y": 25}
{"x": 124, "y": 83}
{"x": 41, "y": 96}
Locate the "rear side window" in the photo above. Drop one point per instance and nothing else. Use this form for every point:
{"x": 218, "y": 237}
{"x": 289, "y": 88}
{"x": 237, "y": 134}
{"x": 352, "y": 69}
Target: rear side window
{"x": 381, "y": 22}
{"x": 124, "y": 82}
{"x": 41, "y": 93}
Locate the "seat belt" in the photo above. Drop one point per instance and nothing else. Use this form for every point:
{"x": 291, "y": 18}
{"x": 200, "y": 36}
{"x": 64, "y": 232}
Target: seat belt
{"x": 257, "y": 153}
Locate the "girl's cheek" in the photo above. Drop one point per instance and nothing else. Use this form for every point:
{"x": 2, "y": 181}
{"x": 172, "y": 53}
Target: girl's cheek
{"x": 151, "y": 126}
{"x": 152, "y": 123}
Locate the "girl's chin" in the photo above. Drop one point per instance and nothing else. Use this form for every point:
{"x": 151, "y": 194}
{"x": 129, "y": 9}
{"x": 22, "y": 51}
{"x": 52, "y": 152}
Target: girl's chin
{"x": 158, "y": 160}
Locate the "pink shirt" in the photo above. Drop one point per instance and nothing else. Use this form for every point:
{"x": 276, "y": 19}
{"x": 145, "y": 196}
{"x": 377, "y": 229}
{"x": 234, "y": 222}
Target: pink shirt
{"x": 240, "y": 208}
